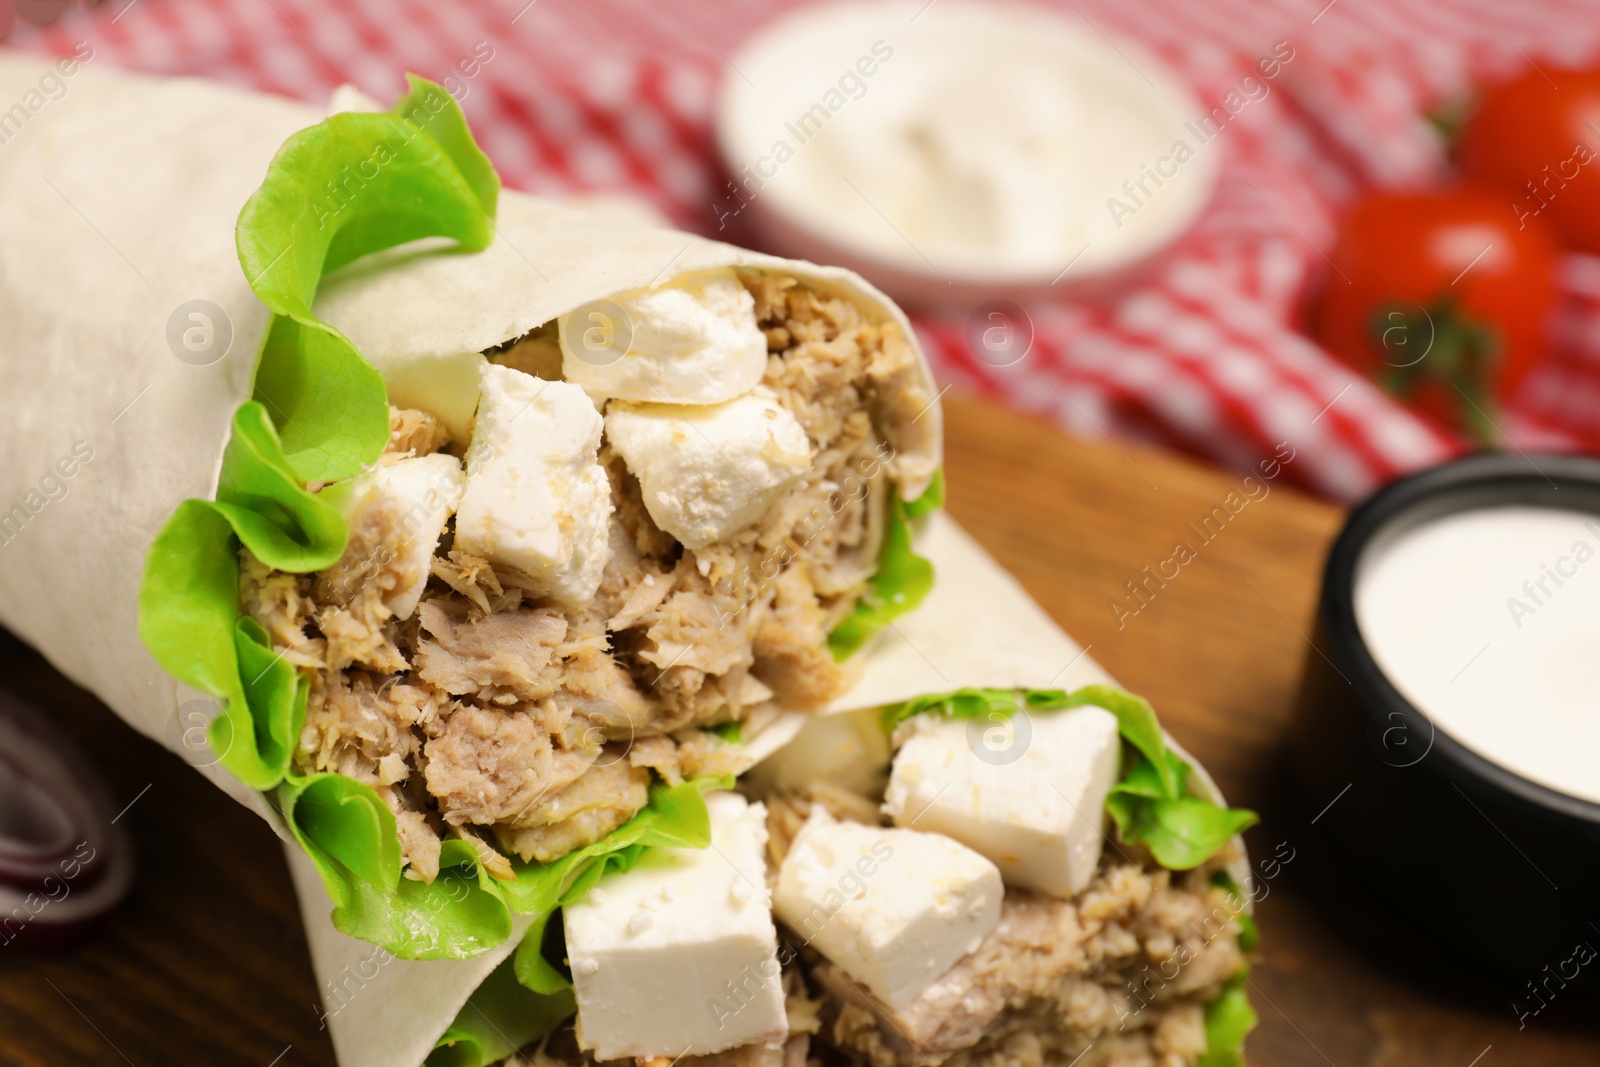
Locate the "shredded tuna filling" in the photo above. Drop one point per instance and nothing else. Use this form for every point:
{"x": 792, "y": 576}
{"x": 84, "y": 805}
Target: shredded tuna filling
{"x": 532, "y": 729}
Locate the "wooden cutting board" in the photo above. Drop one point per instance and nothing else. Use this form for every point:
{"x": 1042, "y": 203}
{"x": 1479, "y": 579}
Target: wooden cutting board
{"x": 206, "y": 964}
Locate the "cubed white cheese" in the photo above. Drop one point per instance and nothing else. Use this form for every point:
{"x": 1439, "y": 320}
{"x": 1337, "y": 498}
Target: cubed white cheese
{"x": 893, "y": 908}
{"x": 849, "y": 750}
{"x": 679, "y": 955}
{"x": 1028, "y": 792}
{"x": 708, "y": 471}
{"x": 537, "y": 501}
{"x": 693, "y": 340}
{"x": 421, "y": 493}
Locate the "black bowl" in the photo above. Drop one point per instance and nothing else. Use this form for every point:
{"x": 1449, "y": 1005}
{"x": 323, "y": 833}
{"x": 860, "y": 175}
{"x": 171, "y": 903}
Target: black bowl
{"x": 1475, "y": 857}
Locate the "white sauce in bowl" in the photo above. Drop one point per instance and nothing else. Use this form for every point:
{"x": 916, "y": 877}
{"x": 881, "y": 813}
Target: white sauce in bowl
{"x": 1489, "y": 621}
{"x": 961, "y": 140}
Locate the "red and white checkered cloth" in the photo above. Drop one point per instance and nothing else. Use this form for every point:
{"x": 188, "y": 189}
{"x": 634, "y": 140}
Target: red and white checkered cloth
{"x": 1204, "y": 356}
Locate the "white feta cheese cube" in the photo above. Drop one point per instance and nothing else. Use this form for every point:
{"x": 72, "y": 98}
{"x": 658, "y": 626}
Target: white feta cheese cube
{"x": 893, "y": 908}
{"x": 679, "y": 955}
{"x": 849, "y": 750}
{"x": 693, "y": 340}
{"x": 537, "y": 501}
{"x": 420, "y": 493}
{"x": 708, "y": 471}
{"x": 1028, "y": 792}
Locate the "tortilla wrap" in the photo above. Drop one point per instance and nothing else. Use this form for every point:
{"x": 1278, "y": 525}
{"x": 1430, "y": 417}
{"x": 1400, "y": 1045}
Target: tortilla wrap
{"x": 110, "y": 425}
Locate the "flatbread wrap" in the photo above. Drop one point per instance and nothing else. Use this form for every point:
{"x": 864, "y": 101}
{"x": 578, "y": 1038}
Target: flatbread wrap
{"x": 489, "y": 542}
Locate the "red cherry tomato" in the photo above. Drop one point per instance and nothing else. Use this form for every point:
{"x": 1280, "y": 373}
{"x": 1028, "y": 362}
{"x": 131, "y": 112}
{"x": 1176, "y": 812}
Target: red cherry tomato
{"x": 1537, "y": 140}
{"x": 1441, "y": 298}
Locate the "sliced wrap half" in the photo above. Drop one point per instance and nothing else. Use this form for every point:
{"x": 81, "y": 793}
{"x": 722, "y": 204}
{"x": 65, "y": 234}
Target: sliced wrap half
{"x": 133, "y": 343}
{"x": 186, "y": 387}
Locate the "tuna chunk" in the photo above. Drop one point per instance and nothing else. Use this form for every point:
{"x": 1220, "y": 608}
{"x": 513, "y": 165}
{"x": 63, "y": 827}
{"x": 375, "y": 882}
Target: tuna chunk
{"x": 490, "y": 766}
{"x": 503, "y": 658}
{"x": 363, "y": 729}
{"x": 791, "y": 647}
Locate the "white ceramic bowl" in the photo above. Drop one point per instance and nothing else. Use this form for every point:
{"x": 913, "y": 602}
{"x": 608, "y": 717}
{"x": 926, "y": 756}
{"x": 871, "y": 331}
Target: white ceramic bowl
{"x": 812, "y": 94}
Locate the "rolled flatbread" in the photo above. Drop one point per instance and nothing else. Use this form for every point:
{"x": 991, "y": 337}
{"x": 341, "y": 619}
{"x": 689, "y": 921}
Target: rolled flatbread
{"x": 628, "y": 577}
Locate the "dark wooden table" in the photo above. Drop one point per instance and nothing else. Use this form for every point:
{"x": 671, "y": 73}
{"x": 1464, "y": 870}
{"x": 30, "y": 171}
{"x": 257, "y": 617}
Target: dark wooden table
{"x": 206, "y": 964}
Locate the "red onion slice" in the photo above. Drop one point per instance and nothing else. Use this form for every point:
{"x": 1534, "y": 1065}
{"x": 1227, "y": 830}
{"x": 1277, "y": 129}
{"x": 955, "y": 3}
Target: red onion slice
{"x": 36, "y": 829}
{"x": 63, "y": 862}
{"x": 63, "y": 908}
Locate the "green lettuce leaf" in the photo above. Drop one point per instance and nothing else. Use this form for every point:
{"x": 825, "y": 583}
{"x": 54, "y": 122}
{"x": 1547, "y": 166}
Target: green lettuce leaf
{"x": 189, "y": 602}
{"x": 500, "y": 1017}
{"x": 532, "y": 965}
{"x": 1180, "y": 832}
{"x": 349, "y": 834}
{"x": 349, "y": 186}
{"x": 1229, "y": 1019}
{"x": 900, "y": 583}
{"x": 274, "y": 704}
{"x": 1151, "y": 804}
